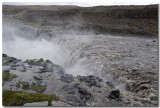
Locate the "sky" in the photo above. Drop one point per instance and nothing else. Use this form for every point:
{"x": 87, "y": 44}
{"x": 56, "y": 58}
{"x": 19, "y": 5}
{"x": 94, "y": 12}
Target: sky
{"x": 88, "y": 4}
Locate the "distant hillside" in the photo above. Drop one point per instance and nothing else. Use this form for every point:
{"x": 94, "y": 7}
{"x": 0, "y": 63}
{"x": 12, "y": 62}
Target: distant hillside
{"x": 116, "y": 20}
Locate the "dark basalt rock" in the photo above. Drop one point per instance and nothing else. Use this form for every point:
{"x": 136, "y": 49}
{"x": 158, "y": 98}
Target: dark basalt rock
{"x": 84, "y": 94}
{"x": 115, "y": 94}
{"x": 110, "y": 84}
{"x": 67, "y": 78}
{"x": 98, "y": 85}
{"x": 91, "y": 80}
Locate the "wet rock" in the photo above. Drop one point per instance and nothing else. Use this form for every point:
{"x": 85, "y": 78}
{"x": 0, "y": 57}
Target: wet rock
{"x": 84, "y": 94}
{"x": 110, "y": 84}
{"x": 48, "y": 66}
{"x": 67, "y": 78}
{"x": 58, "y": 69}
{"x": 90, "y": 80}
{"x": 115, "y": 94}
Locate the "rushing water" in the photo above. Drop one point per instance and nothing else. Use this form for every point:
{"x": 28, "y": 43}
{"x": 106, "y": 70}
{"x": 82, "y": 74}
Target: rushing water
{"x": 109, "y": 57}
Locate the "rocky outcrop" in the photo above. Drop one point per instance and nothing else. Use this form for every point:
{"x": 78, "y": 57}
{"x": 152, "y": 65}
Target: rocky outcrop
{"x": 39, "y": 76}
{"x": 45, "y": 77}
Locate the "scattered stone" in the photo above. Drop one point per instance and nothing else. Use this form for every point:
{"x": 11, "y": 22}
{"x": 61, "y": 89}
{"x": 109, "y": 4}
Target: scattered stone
{"x": 67, "y": 78}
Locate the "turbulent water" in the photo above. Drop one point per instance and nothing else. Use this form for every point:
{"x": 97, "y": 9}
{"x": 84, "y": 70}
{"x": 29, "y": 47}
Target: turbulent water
{"x": 130, "y": 63}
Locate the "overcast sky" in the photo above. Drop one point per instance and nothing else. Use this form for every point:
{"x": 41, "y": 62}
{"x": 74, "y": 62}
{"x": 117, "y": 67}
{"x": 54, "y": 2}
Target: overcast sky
{"x": 85, "y": 4}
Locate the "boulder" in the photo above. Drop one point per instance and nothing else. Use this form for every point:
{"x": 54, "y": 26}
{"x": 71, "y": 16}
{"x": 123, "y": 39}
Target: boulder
{"x": 67, "y": 78}
{"x": 84, "y": 94}
{"x": 114, "y": 94}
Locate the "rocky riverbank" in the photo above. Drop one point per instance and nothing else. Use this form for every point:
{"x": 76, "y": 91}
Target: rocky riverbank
{"x": 44, "y": 77}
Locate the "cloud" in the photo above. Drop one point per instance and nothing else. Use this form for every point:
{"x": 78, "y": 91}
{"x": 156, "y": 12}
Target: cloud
{"x": 83, "y": 4}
